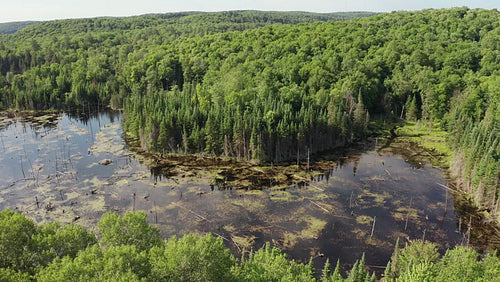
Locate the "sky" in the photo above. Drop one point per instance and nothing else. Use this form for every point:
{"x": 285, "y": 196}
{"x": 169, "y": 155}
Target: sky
{"x": 21, "y": 10}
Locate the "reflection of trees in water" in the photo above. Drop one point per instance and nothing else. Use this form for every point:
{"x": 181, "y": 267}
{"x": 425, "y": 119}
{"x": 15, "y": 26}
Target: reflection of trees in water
{"x": 85, "y": 114}
{"x": 1, "y": 139}
{"x": 41, "y": 128}
{"x": 412, "y": 153}
{"x": 477, "y": 228}
{"x": 355, "y": 166}
{"x": 39, "y": 123}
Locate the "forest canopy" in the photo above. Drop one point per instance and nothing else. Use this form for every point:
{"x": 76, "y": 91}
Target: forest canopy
{"x": 273, "y": 87}
{"x": 12, "y": 27}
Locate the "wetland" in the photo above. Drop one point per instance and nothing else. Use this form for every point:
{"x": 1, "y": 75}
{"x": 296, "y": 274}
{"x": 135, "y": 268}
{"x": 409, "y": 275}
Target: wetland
{"x": 73, "y": 167}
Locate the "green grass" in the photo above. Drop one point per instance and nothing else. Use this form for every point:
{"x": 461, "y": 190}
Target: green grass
{"x": 432, "y": 138}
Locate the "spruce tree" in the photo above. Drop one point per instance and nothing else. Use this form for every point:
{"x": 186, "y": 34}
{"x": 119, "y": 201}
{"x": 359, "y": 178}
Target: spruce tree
{"x": 360, "y": 116}
{"x": 325, "y": 276}
{"x": 336, "y": 276}
{"x": 412, "y": 112}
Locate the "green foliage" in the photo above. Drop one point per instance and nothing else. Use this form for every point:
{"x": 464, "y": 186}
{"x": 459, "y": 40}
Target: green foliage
{"x": 474, "y": 126}
{"x": 16, "y": 244}
{"x": 9, "y": 275}
{"x": 199, "y": 258}
{"x": 391, "y": 269}
{"x": 192, "y": 258}
{"x": 336, "y": 276}
{"x": 420, "y": 261}
{"x": 131, "y": 229}
{"x": 412, "y": 113}
{"x": 388, "y": 273}
{"x": 416, "y": 262}
{"x": 491, "y": 264}
{"x": 216, "y": 83}
{"x": 181, "y": 24}
{"x": 12, "y": 27}
{"x": 116, "y": 263}
{"x": 327, "y": 271}
{"x": 460, "y": 264}
{"x": 358, "y": 272}
{"x": 360, "y": 120}
{"x": 270, "y": 264}
{"x": 55, "y": 241}
{"x": 418, "y": 272}
{"x": 255, "y": 86}
{"x": 417, "y": 253}
{"x": 25, "y": 246}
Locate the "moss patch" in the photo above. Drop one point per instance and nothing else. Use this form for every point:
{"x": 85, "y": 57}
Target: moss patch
{"x": 364, "y": 219}
{"x": 284, "y": 196}
{"x": 313, "y": 229}
{"x": 244, "y": 242}
{"x": 432, "y": 138}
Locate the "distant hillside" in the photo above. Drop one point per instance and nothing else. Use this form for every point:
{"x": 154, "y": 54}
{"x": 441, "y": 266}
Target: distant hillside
{"x": 186, "y": 23}
{"x": 13, "y": 27}
{"x": 277, "y": 93}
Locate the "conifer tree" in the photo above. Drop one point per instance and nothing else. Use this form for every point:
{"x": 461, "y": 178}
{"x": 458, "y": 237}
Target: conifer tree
{"x": 360, "y": 116}
{"x": 412, "y": 113}
{"x": 336, "y": 276}
{"x": 327, "y": 271}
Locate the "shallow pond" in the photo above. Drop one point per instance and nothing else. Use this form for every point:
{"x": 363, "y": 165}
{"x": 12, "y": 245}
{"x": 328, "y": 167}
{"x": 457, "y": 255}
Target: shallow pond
{"x": 49, "y": 169}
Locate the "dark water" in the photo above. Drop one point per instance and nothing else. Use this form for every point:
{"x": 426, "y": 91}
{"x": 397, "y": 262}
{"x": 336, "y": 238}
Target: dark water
{"x": 49, "y": 170}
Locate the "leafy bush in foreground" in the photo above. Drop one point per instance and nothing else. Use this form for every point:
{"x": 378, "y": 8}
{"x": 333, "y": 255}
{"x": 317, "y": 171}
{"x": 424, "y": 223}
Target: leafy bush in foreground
{"x": 129, "y": 249}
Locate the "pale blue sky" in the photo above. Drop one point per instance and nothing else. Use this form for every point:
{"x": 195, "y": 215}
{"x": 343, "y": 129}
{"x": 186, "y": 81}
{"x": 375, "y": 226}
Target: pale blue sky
{"x": 20, "y": 10}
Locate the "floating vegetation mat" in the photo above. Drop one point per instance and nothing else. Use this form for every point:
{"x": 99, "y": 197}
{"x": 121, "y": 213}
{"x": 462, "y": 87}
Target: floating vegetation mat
{"x": 74, "y": 168}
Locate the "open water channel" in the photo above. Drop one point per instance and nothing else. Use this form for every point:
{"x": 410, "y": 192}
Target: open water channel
{"x": 49, "y": 170}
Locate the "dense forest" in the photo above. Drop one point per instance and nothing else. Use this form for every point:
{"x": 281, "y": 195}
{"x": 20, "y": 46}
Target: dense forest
{"x": 129, "y": 249}
{"x": 185, "y": 24}
{"x": 273, "y": 87}
{"x": 12, "y": 27}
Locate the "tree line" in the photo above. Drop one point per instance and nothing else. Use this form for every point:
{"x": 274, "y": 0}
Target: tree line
{"x": 12, "y": 27}
{"x": 272, "y": 87}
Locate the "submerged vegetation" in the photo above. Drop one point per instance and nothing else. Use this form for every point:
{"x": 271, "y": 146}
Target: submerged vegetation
{"x": 260, "y": 86}
{"x": 430, "y": 137}
{"x": 267, "y": 89}
{"x": 128, "y": 248}
{"x": 312, "y": 213}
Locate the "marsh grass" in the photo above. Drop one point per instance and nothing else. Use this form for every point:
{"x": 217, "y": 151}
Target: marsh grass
{"x": 431, "y": 138}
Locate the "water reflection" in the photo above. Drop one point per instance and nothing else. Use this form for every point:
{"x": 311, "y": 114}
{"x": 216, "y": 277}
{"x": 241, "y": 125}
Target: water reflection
{"x": 49, "y": 169}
